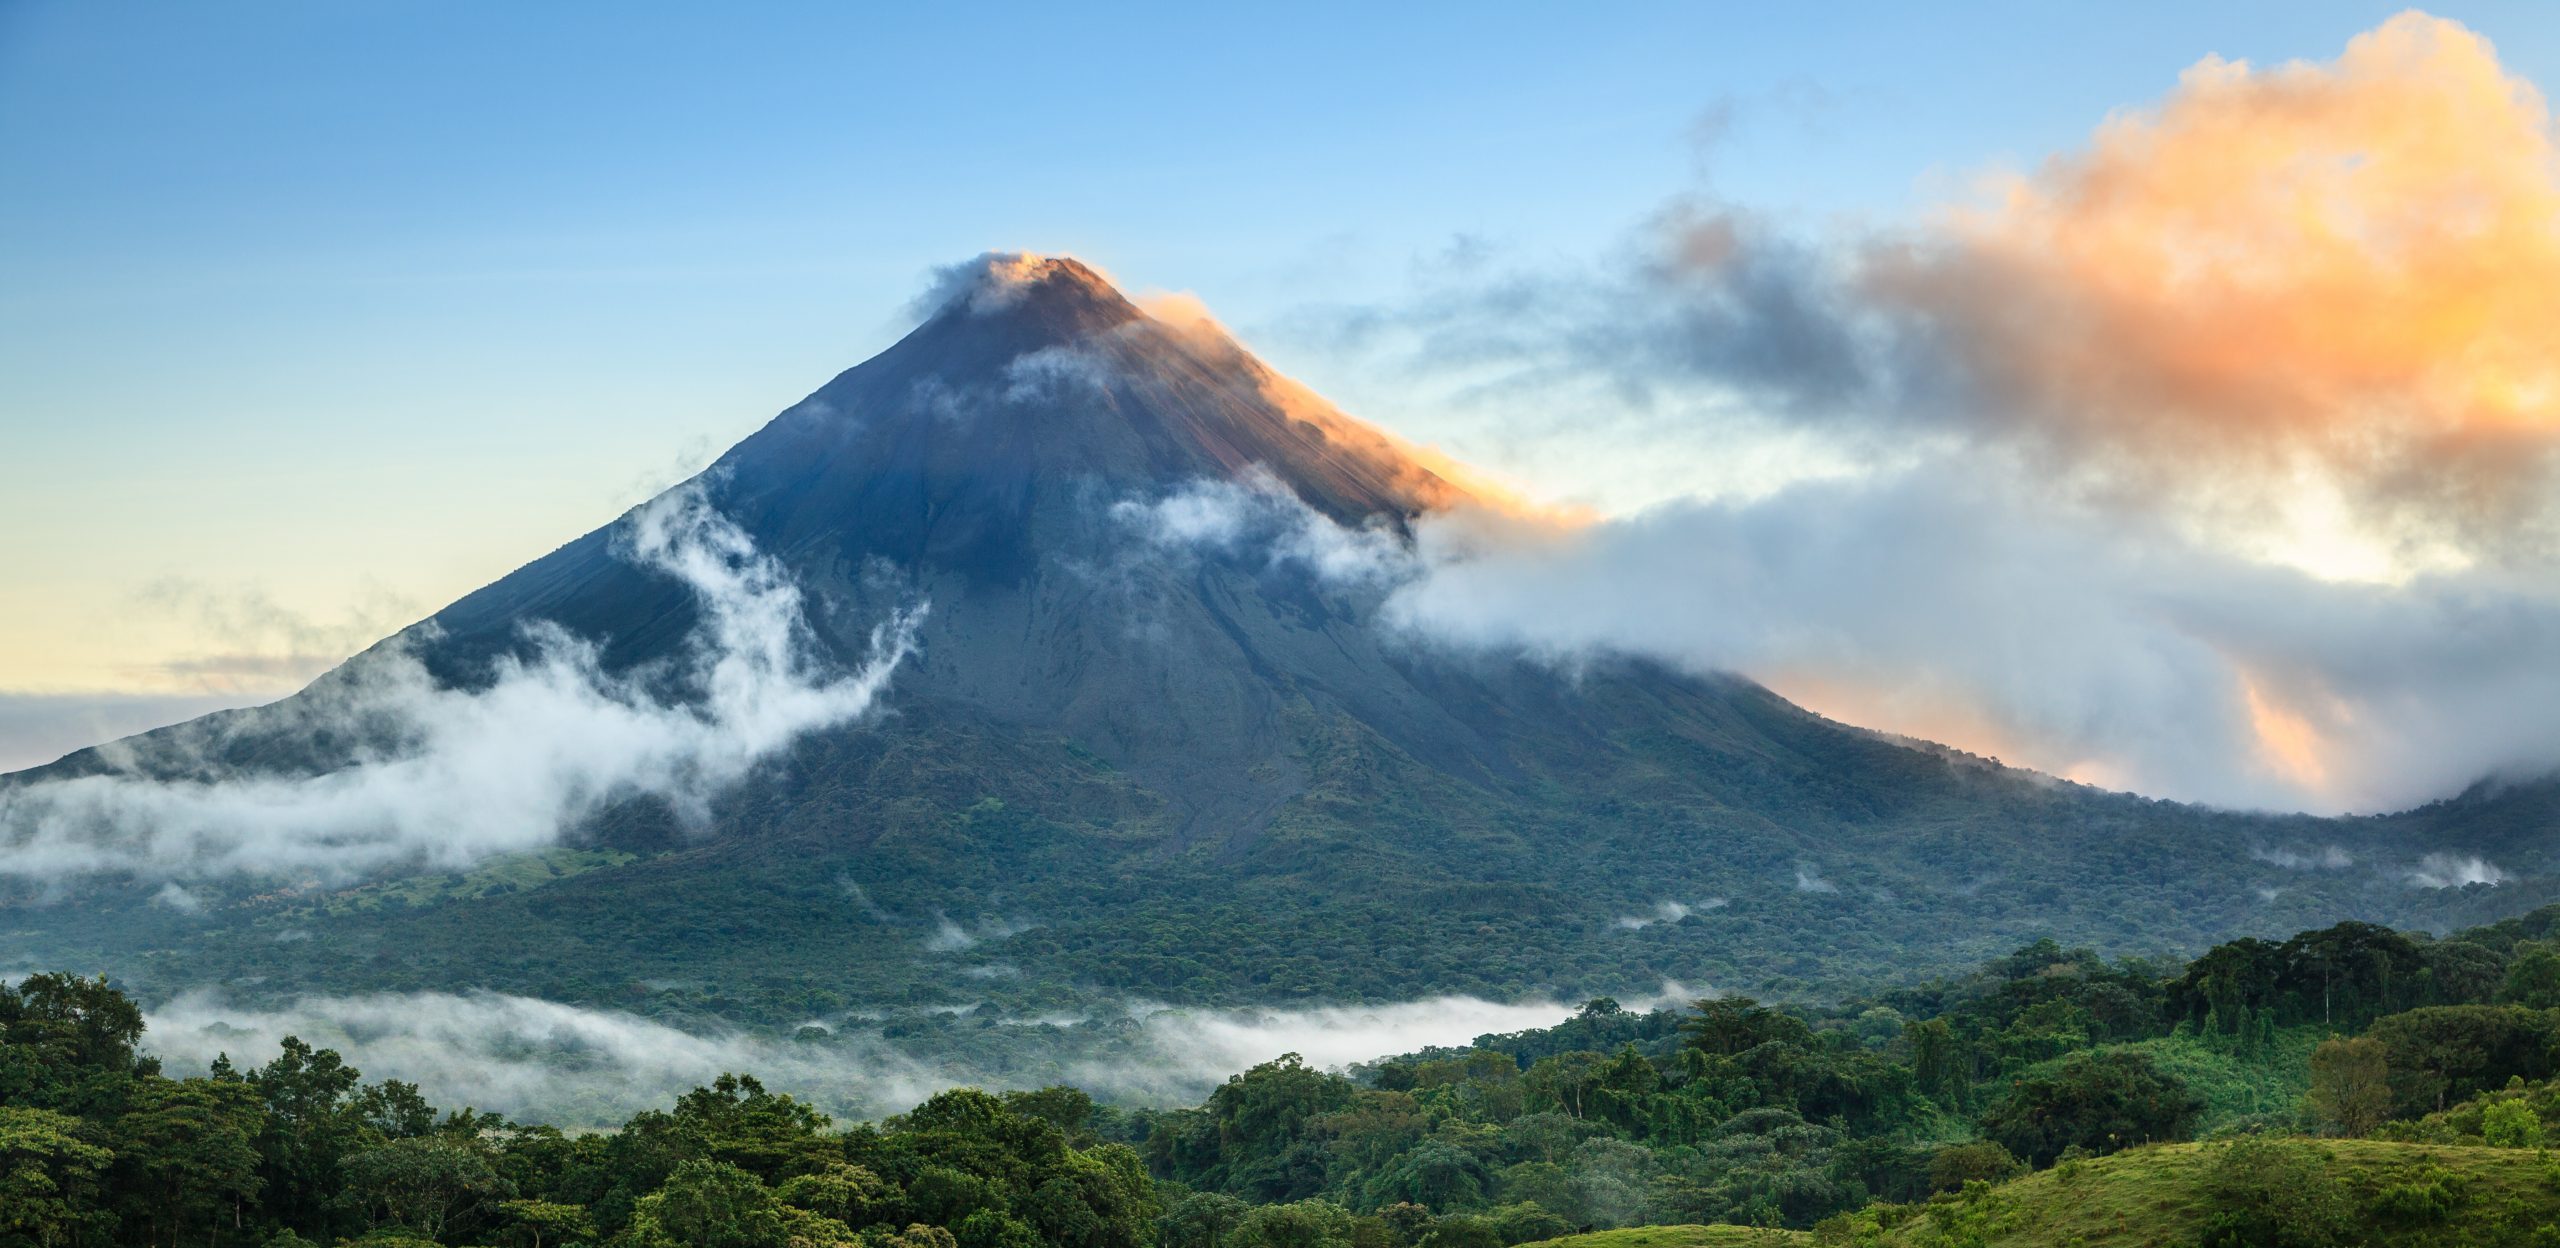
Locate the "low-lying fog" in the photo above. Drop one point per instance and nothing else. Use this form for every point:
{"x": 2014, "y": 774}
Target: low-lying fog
{"x": 544, "y": 1061}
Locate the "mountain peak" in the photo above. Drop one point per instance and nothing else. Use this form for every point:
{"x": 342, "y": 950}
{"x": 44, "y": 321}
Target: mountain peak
{"x": 1032, "y": 386}
{"x": 1060, "y": 293}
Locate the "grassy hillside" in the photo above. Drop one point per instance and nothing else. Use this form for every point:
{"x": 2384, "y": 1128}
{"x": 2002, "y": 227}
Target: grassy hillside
{"x": 1682, "y": 1237}
{"x": 2404, "y": 1195}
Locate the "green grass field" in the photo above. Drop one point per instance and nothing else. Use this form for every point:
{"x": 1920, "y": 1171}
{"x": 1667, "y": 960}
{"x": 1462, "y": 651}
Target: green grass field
{"x": 2154, "y": 1196}
{"x": 1682, "y": 1237}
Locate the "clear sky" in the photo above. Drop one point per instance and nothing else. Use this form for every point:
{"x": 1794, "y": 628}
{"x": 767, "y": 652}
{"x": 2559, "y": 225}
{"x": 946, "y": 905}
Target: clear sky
{"x": 315, "y": 316}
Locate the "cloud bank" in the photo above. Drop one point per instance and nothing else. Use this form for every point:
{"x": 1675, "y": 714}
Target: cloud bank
{"x": 545, "y": 1061}
{"x": 2066, "y": 637}
{"x": 455, "y": 775}
{"x": 2214, "y": 459}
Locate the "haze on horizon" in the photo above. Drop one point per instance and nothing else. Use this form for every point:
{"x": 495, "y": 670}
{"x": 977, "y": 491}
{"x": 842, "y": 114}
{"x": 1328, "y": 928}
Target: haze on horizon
{"x": 2202, "y": 446}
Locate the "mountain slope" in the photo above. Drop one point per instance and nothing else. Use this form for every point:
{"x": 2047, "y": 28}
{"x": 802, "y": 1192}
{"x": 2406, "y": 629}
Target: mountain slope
{"x": 1121, "y": 764}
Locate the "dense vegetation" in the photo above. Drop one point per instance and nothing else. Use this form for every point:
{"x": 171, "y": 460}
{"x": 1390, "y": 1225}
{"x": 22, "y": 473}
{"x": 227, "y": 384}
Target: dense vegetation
{"x": 1907, "y": 1117}
{"x": 1550, "y": 891}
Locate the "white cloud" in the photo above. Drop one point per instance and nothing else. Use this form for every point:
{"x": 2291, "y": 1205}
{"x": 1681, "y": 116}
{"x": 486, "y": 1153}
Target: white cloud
{"x": 950, "y": 937}
{"x": 1053, "y": 372}
{"x": 1809, "y": 880}
{"x": 545, "y": 1061}
{"x": 1196, "y": 1049}
{"x": 1259, "y": 513}
{"x": 2327, "y": 858}
{"x": 469, "y": 774}
{"x": 537, "y": 1059}
{"x": 1667, "y": 912}
{"x": 990, "y": 282}
{"x": 1960, "y": 603}
{"x": 2455, "y": 871}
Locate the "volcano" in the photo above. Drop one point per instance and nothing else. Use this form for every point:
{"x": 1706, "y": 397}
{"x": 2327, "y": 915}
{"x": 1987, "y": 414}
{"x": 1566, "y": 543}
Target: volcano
{"x": 1158, "y": 737}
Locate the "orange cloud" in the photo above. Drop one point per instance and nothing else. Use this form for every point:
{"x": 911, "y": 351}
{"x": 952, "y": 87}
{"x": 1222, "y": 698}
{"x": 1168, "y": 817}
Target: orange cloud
{"x": 2353, "y": 266}
{"x": 2288, "y": 741}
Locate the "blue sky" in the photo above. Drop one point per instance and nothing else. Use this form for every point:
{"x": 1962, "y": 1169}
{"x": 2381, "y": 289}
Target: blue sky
{"x": 314, "y": 316}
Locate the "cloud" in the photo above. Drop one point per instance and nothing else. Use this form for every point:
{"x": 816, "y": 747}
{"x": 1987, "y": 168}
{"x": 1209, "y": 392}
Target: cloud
{"x": 2213, "y": 459}
{"x": 539, "y": 1060}
{"x": 2455, "y": 871}
{"x": 1260, "y": 514}
{"x": 2326, "y": 858}
{"x": 951, "y": 937}
{"x": 2350, "y": 269}
{"x": 988, "y": 282}
{"x": 1809, "y": 880}
{"x": 1666, "y": 912}
{"x": 1975, "y": 612}
{"x": 546, "y": 1061}
{"x": 2314, "y": 308}
{"x": 457, "y": 775}
{"x": 1045, "y": 374}
{"x": 2069, "y": 638}
{"x": 1193, "y": 1051}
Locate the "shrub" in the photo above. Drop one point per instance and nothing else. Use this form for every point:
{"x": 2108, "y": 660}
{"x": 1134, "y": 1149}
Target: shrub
{"x": 1981, "y": 1161}
{"x": 2275, "y": 1193}
{"x": 2427, "y": 1200}
{"x": 2510, "y": 1123}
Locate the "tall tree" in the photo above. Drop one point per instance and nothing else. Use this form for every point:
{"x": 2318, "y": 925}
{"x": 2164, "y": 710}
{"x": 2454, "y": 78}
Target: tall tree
{"x": 2351, "y": 1084}
{"x": 187, "y": 1156}
{"x": 52, "y": 1192}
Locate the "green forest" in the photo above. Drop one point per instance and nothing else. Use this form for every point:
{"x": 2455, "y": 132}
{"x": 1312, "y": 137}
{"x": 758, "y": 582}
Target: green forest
{"x": 2349, "y": 1085}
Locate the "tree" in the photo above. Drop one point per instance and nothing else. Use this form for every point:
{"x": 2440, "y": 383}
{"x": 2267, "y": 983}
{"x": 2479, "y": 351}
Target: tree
{"x": 537, "y": 1223}
{"x": 1939, "y": 1065}
{"x": 1725, "y": 1026}
{"x": 1983, "y": 1161}
{"x": 67, "y": 1044}
{"x": 1563, "y": 1083}
{"x": 1434, "y": 1174}
{"x": 1260, "y": 1121}
{"x": 1622, "y": 1090}
{"x": 2351, "y": 973}
{"x": 917, "y": 1235}
{"x": 735, "y": 1120}
{"x": 1067, "y": 1109}
{"x": 1528, "y": 1222}
{"x": 187, "y": 1154}
{"x": 308, "y": 1129}
{"x": 1298, "y": 1224}
{"x": 1200, "y": 1220}
{"x": 710, "y": 1204}
{"x": 2441, "y": 1054}
{"x": 2351, "y": 1084}
{"x": 2100, "y": 1101}
{"x": 849, "y": 1194}
{"x": 427, "y": 1184}
{"x": 51, "y": 1181}
{"x": 2533, "y": 978}
{"x": 1464, "y": 1230}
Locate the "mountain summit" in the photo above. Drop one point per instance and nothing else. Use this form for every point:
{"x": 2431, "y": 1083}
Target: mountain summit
{"x": 1156, "y": 738}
